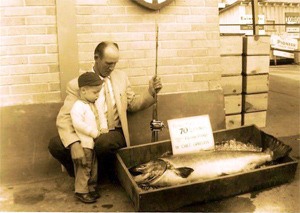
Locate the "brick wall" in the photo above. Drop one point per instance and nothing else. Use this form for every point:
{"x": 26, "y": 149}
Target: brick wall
{"x": 188, "y": 54}
{"x": 29, "y": 60}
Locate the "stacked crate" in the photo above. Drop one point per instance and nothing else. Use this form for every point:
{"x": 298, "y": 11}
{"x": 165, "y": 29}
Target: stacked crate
{"x": 256, "y": 60}
{"x": 231, "y": 49}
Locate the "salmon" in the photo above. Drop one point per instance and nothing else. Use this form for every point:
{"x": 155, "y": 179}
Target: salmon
{"x": 186, "y": 168}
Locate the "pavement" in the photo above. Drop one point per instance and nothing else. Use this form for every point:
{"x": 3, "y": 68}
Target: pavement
{"x": 283, "y": 118}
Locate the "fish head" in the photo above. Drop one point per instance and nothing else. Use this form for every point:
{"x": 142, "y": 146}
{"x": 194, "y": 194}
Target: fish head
{"x": 148, "y": 172}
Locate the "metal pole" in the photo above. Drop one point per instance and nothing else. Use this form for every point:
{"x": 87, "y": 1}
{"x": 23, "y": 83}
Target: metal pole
{"x": 254, "y": 4}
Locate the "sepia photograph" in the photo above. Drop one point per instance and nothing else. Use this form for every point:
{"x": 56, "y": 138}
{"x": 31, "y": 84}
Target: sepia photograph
{"x": 150, "y": 106}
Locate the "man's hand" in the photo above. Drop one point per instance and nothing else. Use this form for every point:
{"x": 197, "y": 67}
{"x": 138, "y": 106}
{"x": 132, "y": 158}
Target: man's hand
{"x": 77, "y": 154}
{"x": 155, "y": 85}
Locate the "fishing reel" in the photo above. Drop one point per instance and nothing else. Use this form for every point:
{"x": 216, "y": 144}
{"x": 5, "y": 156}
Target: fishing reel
{"x": 156, "y": 126}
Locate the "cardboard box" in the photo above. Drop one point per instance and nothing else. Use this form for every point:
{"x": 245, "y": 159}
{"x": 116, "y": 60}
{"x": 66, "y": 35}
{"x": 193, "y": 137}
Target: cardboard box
{"x": 233, "y": 104}
{"x": 256, "y": 45}
{"x": 257, "y": 118}
{"x": 231, "y": 65}
{"x": 171, "y": 198}
{"x": 231, "y": 44}
{"x": 257, "y": 64}
{"x": 231, "y": 84}
{"x": 256, "y": 83}
{"x": 233, "y": 121}
{"x": 255, "y": 102}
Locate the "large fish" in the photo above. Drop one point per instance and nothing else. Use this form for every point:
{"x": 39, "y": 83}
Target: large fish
{"x": 185, "y": 168}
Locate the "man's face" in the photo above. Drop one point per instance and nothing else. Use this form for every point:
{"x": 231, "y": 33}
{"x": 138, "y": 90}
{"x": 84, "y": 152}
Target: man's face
{"x": 105, "y": 65}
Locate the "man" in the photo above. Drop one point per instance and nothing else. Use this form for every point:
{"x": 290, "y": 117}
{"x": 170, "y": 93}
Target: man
{"x": 67, "y": 146}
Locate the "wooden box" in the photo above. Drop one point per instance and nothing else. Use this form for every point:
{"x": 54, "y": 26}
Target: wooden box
{"x": 256, "y": 45}
{"x": 231, "y": 44}
{"x": 257, "y": 118}
{"x": 231, "y": 65}
{"x": 255, "y": 102}
{"x": 233, "y": 121}
{"x": 231, "y": 84}
{"x": 256, "y": 64}
{"x": 233, "y": 104}
{"x": 171, "y": 198}
{"x": 256, "y": 83}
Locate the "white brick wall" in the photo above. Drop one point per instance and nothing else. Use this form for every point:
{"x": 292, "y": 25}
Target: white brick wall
{"x": 188, "y": 54}
{"x": 29, "y": 54}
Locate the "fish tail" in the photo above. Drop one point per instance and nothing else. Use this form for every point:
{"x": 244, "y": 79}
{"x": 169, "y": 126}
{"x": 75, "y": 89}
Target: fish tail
{"x": 276, "y": 148}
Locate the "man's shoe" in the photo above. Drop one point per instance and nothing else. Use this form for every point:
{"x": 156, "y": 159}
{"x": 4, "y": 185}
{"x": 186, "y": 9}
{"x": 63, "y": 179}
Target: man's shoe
{"x": 85, "y": 197}
{"x": 95, "y": 194}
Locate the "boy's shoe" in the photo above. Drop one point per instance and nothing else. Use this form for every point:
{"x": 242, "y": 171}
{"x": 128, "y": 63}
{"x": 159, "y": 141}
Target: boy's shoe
{"x": 95, "y": 194}
{"x": 85, "y": 197}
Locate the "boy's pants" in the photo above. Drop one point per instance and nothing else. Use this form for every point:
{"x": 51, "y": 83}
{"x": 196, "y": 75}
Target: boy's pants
{"x": 86, "y": 177}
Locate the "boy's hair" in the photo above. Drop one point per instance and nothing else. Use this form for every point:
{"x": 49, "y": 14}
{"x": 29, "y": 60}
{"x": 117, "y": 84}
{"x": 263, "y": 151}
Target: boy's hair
{"x": 89, "y": 79}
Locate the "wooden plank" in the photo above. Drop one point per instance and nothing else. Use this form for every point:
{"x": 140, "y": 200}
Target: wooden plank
{"x": 256, "y": 45}
{"x": 177, "y": 105}
{"x": 255, "y": 83}
{"x": 233, "y": 121}
{"x": 231, "y": 84}
{"x": 255, "y": 102}
{"x": 231, "y": 65}
{"x": 231, "y": 44}
{"x": 257, "y": 118}
{"x": 256, "y": 64}
{"x": 233, "y": 104}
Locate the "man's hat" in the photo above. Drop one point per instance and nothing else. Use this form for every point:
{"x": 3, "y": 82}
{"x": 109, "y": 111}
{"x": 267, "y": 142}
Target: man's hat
{"x": 89, "y": 79}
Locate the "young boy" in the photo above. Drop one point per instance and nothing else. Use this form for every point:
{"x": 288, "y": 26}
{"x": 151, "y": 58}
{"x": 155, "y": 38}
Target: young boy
{"x": 89, "y": 122}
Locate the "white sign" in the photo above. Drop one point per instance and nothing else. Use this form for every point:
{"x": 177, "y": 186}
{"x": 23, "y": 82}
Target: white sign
{"x": 292, "y": 18}
{"x": 283, "y": 54}
{"x": 191, "y": 134}
{"x": 248, "y": 29}
{"x": 283, "y": 43}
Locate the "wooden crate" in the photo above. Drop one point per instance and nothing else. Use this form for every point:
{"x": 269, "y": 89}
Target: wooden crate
{"x": 256, "y": 64}
{"x": 257, "y": 118}
{"x": 256, "y": 83}
{"x": 256, "y": 45}
{"x": 233, "y": 121}
{"x": 255, "y": 102}
{"x": 231, "y": 44}
{"x": 231, "y": 65}
{"x": 233, "y": 104}
{"x": 231, "y": 84}
{"x": 174, "y": 197}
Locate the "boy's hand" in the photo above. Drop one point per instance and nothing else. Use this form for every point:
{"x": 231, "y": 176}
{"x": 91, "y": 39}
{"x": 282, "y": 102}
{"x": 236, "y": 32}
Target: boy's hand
{"x": 77, "y": 154}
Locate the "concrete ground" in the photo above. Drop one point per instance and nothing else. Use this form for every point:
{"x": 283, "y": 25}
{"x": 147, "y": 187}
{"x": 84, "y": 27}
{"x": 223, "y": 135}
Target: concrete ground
{"x": 56, "y": 194}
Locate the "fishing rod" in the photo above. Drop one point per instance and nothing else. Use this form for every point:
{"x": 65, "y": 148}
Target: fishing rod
{"x": 155, "y": 125}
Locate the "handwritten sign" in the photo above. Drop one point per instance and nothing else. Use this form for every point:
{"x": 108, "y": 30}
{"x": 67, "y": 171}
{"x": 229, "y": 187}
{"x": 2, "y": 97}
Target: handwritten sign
{"x": 191, "y": 134}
